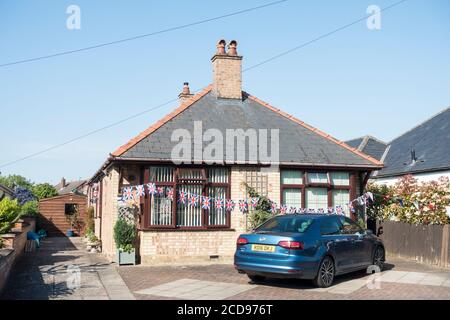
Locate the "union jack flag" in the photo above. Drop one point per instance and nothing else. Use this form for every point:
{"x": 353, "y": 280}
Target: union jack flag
{"x": 321, "y": 210}
{"x": 170, "y": 194}
{"x": 254, "y": 202}
{"x": 301, "y": 210}
{"x": 140, "y": 190}
{"x": 273, "y": 207}
{"x": 193, "y": 200}
{"x": 219, "y": 203}
{"x": 312, "y": 210}
{"x": 339, "y": 210}
{"x": 330, "y": 209}
{"x": 182, "y": 197}
{"x": 206, "y": 203}
{"x": 351, "y": 207}
{"x": 292, "y": 210}
{"x": 283, "y": 209}
{"x": 151, "y": 187}
{"x": 127, "y": 193}
{"x": 242, "y": 205}
{"x": 160, "y": 191}
{"x": 230, "y": 205}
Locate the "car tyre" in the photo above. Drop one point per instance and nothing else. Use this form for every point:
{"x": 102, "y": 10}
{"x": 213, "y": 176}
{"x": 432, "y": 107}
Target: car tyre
{"x": 325, "y": 274}
{"x": 256, "y": 278}
{"x": 378, "y": 257}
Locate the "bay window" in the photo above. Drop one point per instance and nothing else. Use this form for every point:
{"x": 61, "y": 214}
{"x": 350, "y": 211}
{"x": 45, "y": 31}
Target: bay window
{"x": 162, "y": 212}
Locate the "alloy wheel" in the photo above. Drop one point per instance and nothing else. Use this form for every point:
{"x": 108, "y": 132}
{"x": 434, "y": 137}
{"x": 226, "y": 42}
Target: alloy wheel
{"x": 327, "y": 272}
{"x": 378, "y": 258}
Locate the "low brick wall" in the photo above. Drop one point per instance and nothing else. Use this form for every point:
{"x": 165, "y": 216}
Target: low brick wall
{"x": 14, "y": 248}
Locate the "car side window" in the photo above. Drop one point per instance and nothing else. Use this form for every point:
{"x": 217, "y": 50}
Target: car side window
{"x": 330, "y": 226}
{"x": 349, "y": 226}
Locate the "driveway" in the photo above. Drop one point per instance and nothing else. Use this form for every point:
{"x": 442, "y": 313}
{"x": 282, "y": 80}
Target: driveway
{"x": 62, "y": 269}
{"x": 402, "y": 279}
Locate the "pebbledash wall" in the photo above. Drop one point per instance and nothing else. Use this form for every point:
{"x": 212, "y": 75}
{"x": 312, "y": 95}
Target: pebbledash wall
{"x": 163, "y": 247}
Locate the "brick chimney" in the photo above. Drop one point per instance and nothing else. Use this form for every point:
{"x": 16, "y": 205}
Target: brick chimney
{"x": 227, "y": 71}
{"x": 63, "y": 182}
{"x": 185, "y": 94}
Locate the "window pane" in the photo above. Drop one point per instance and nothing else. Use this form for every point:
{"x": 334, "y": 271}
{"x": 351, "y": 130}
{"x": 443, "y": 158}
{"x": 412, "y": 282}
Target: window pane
{"x": 341, "y": 197}
{"x": 317, "y": 177}
{"x": 349, "y": 226}
{"x": 330, "y": 226}
{"x": 189, "y": 216}
{"x": 297, "y": 224}
{"x": 218, "y": 175}
{"x": 161, "y": 211}
{"x": 217, "y": 217}
{"x": 316, "y": 198}
{"x": 291, "y": 177}
{"x": 188, "y": 174}
{"x": 292, "y": 198}
{"x": 161, "y": 174}
{"x": 340, "y": 178}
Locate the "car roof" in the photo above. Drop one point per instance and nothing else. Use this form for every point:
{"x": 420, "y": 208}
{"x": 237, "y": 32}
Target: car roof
{"x": 306, "y": 215}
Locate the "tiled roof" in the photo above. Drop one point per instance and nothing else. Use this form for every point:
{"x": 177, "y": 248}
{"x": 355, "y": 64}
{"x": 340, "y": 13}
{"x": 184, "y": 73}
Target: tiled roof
{"x": 300, "y": 143}
{"x": 431, "y": 143}
{"x": 370, "y": 146}
{"x": 69, "y": 187}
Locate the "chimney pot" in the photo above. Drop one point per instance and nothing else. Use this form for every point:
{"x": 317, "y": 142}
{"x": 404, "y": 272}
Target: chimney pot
{"x": 221, "y": 47}
{"x": 232, "y": 48}
{"x": 185, "y": 94}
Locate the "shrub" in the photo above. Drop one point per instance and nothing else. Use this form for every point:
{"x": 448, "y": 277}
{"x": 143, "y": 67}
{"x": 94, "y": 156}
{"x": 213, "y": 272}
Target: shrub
{"x": 9, "y": 214}
{"x": 124, "y": 235}
{"x": 30, "y": 208}
{"x": 23, "y": 195}
{"x": 412, "y": 202}
{"x": 44, "y": 190}
{"x": 75, "y": 221}
{"x": 90, "y": 224}
{"x": 262, "y": 211}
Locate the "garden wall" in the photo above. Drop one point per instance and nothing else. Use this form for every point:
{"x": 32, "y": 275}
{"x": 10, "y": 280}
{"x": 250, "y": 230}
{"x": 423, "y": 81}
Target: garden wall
{"x": 422, "y": 243}
{"x": 14, "y": 247}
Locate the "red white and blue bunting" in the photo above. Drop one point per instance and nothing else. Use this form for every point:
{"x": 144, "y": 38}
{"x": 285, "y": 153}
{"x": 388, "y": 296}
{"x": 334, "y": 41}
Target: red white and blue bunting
{"x": 244, "y": 205}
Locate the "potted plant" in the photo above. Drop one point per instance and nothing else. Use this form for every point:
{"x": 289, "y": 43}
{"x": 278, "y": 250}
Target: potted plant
{"x": 76, "y": 223}
{"x": 125, "y": 236}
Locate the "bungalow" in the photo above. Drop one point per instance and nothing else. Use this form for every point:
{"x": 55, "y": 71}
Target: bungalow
{"x": 212, "y": 144}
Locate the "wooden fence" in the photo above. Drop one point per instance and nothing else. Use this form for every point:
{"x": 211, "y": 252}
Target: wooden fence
{"x": 423, "y": 243}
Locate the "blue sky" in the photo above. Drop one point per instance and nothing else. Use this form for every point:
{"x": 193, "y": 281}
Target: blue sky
{"x": 352, "y": 83}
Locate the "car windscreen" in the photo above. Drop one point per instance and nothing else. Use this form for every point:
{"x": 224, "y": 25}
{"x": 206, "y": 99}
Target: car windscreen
{"x": 295, "y": 224}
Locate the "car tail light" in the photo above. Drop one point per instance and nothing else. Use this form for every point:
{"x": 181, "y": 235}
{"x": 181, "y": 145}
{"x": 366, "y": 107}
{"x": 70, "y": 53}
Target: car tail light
{"x": 293, "y": 245}
{"x": 241, "y": 241}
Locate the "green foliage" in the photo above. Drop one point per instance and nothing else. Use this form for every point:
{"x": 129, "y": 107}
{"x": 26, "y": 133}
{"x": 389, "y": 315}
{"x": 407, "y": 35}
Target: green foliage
{"x": 9, "y": 214}
{"x": 75, "y": 221}
{"x": 124, "y": 234}
{"x": 412, "y": 202}
{"x": 44, "y": 190}
{"x": 30, "y": 208}
{"x": 90, "y": 224}
{"x": 262, "y": 211}
{"x": 15, "y": 180}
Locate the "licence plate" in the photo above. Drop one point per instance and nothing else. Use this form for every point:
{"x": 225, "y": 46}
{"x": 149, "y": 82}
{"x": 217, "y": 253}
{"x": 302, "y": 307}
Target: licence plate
{"x": 263, "y": 248}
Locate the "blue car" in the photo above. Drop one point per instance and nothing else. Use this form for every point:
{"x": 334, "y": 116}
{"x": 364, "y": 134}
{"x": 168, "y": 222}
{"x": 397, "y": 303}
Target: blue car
{"x": 307, "y": 246}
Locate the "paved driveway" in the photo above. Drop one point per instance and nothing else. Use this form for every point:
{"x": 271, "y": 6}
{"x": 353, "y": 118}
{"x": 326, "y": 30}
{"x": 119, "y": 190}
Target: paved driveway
{"x": 401, "y": 280}
{"x": 62, "y": 269}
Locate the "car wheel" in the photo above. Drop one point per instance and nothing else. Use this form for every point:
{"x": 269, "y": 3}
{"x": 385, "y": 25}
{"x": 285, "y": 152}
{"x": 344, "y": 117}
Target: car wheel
{"x": 325, "y": 274}
{"x": 378, "y": 258}
{"x": 255, "y": 278}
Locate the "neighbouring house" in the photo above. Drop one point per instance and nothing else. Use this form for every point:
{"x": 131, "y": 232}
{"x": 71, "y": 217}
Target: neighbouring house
{"x": 423, "y": 151}
{"x": 67, "y": 187}
{"x": 6, "y": 192}
{"x": 280, "y": 156}
{"x": 57, "y": 211}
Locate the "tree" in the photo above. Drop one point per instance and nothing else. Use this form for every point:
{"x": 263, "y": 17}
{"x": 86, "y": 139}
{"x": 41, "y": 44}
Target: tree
{"x": 262, "y": 211}
{"x": 44, "y": 190}
{"x": 15, "y": 180}
{"x": 23, "y": 195}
